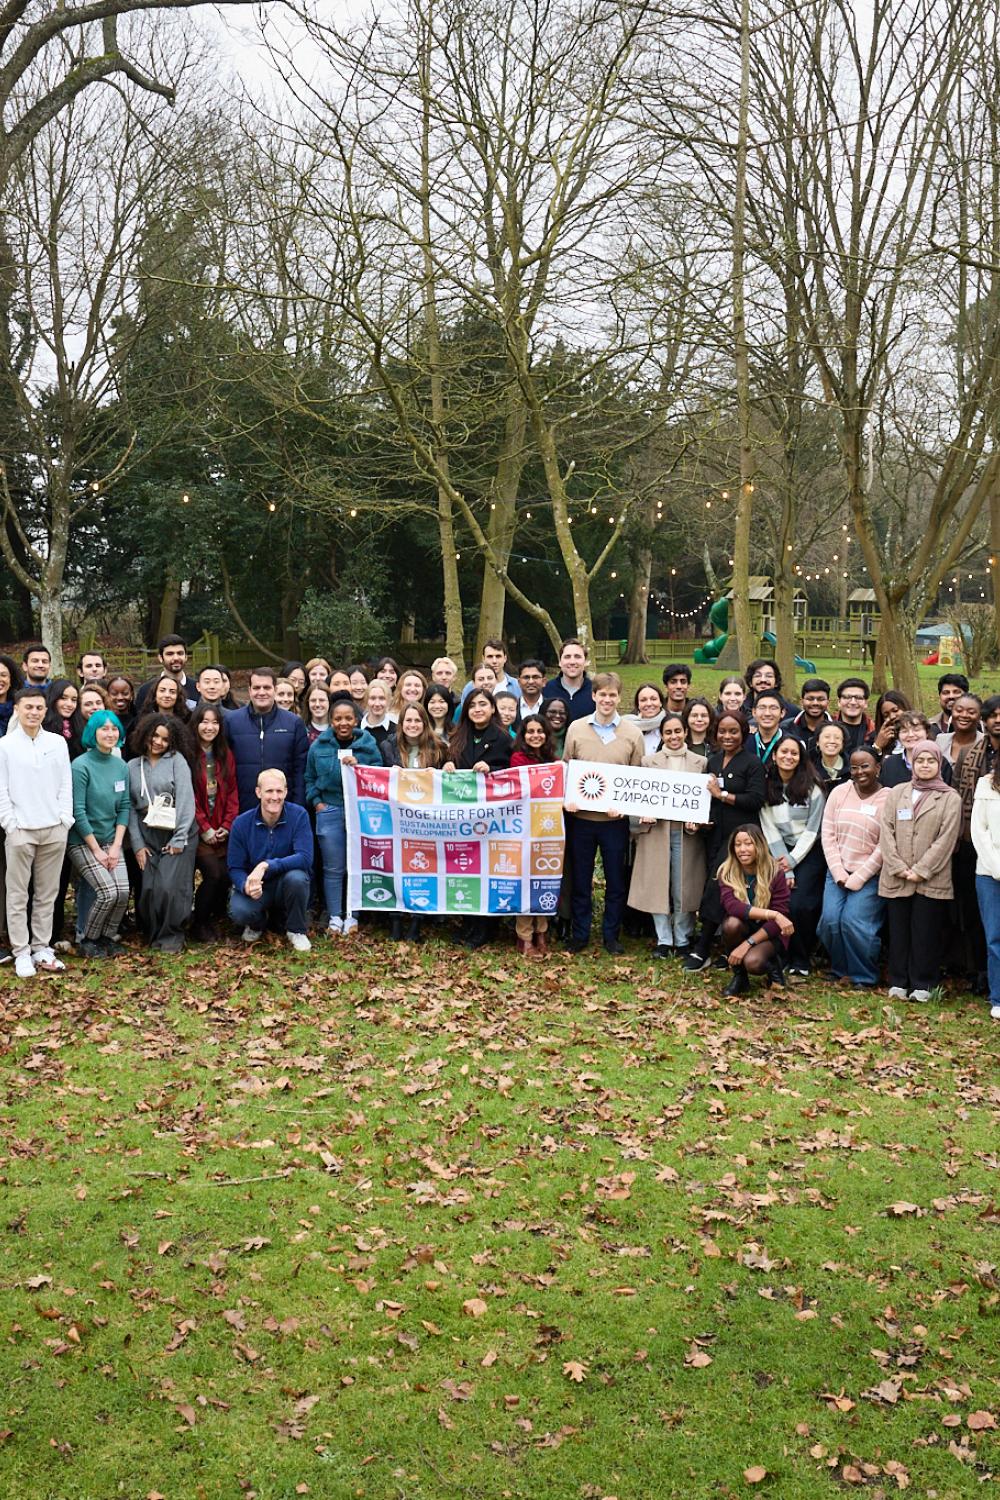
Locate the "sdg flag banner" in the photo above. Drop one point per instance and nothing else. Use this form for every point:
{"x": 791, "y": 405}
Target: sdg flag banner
{"x": 457, "y": 843}
{"x": 639, "y": 791}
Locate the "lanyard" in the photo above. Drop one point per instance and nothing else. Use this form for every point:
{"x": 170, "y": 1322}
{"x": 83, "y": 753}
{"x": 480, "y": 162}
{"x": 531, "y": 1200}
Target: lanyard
{"x": 764, "y": 755}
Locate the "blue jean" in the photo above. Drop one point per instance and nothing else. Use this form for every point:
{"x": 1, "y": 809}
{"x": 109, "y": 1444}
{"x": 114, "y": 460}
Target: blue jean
{"x": 584, "y": 837}
{"x": 988, "y": 896}
{"x": 850, "y": 930}
{"x": 675, "y": 925}
{"x": 331, "y": 835}
{"x": 288, "y": 893}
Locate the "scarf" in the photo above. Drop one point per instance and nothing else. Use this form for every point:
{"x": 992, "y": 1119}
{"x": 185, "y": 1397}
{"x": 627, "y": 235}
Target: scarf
{"x": 935, "y": 784}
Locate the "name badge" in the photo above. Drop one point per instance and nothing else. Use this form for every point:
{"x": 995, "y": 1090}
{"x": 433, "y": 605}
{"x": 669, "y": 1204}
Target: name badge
{"x": 870, "y": 812}
{"x": 119, "y": 786}
{"x": 904, "y": 814}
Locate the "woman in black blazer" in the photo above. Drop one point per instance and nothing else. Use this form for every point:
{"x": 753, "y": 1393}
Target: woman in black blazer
{"x": 739, "y": 791}
{"x": 478, "y": 742}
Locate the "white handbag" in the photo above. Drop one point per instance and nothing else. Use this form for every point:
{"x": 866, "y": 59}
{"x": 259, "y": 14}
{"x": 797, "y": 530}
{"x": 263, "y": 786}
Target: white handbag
{"x": 161, "y": 812}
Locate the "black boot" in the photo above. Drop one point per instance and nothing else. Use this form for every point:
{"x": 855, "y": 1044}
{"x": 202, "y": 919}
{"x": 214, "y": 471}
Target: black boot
{"x": 740, "y": 982}
{"x": 414, "y": 934}
{"x": 397, "y": 930}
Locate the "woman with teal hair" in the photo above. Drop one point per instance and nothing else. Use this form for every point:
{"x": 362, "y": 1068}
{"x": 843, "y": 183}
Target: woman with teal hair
{"x": 100, "y": 812}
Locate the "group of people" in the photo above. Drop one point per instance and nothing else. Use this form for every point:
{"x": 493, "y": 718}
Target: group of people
{"x": 836, "y": 830}
{"x": 830, "y": 827}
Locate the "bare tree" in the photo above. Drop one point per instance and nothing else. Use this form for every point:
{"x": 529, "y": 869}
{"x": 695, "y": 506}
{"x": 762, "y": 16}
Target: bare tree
{"x": 87, "y": 204}
{"x": 485, "y": 161}
{"x": 873, "y": 106}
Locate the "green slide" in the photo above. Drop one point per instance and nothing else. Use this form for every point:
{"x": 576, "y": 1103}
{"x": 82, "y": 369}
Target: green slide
{"x": 800, "y": 661}
{"x": 718, "y": 618}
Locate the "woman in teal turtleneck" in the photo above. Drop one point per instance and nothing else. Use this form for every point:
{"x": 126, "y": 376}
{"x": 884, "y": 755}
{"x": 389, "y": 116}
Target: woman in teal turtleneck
{"x": 100, "y": 811}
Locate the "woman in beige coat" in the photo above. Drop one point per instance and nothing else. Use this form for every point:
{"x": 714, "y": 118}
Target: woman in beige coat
{"x": 920, "y": 827}
{"x": 668, "y": 876}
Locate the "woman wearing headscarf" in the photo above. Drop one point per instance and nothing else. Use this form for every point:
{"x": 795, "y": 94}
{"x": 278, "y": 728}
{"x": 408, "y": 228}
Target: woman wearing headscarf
{"x": 919, "y": 828}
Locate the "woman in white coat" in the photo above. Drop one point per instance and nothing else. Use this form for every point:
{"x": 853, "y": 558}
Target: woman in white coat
{"x": 668, "y": 875}
{"x": 986, "y": 840}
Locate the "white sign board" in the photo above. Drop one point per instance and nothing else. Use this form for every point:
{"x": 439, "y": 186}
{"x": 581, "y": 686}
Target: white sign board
{"x": 638, "y": 791}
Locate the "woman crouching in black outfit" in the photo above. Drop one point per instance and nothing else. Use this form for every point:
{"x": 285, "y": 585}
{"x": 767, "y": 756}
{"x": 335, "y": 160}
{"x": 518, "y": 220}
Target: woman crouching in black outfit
{"x": 738, "y": 790}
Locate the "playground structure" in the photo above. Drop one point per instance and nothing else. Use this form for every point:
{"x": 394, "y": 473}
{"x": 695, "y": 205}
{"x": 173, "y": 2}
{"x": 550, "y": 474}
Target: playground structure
{"x": 761, "y": 599}
{"x": 718, "y": 618}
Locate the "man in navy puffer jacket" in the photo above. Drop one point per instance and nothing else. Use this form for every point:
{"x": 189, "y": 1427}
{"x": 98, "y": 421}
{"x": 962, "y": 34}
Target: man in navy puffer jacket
{"x": 264, "y": 737}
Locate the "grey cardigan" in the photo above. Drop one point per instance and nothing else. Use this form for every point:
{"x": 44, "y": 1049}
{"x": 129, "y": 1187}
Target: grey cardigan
{"x": 172, "y": 775}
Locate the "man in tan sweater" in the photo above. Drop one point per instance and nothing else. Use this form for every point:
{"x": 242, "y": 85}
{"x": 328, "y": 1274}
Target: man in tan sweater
{"x": 601, "y": 736}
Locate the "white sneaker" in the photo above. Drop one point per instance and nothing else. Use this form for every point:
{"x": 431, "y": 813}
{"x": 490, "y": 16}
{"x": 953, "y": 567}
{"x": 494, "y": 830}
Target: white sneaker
{"x": 897, "y": 994}
{"x": 24, "y": 966}
{"x": 252, "y": 934}
{"x": 920, "y": 996}
{"x": 336, "y": 927}
{"x": 995, "y": 1012}
{"x": 44, "y": 958}
{"x": 350, "y": 926}
{"x": 299, "y": 942}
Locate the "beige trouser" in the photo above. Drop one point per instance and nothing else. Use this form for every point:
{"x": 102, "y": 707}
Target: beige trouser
{"x": 33, "y": 854}
{"x": 527, "y": 926}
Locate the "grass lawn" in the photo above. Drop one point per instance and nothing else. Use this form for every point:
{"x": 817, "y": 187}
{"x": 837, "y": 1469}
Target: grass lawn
{"x": 390, "y": 1222}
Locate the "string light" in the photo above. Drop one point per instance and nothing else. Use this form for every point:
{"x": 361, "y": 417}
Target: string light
{"x": 681, "y": 614}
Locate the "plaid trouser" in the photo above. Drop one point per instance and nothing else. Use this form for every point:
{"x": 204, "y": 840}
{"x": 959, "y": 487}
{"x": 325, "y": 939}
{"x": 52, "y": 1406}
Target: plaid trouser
{"x": 110, "y": 890}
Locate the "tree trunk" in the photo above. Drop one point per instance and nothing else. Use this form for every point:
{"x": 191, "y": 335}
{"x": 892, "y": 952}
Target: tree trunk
{"x": 784, "y": 623}
{"x": 493, "y": 595}
{"x": 995, "y": 557}
{"x": 638, "y": 609}
{"x": 744, "y": 503}
{"x": 880, "y": 668}
{"x": 454, "y": 627}
{"x": 169, "y": 602}
{"x": 900, "y": 633}
{"x": 453, "y": 624}
{"x": 50, "y": 619}
{"x": 503, "y": 519}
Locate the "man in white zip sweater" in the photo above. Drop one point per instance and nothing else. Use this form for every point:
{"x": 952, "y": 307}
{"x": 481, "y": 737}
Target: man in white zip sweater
{"x": 36, "y": 812}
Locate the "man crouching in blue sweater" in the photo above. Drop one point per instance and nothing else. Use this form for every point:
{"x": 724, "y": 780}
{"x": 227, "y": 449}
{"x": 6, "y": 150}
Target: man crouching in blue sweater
{"x": 270, "y": 857}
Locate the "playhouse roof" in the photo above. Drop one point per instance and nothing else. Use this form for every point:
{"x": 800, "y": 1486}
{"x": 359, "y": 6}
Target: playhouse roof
{"x": 761, "y": 590}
